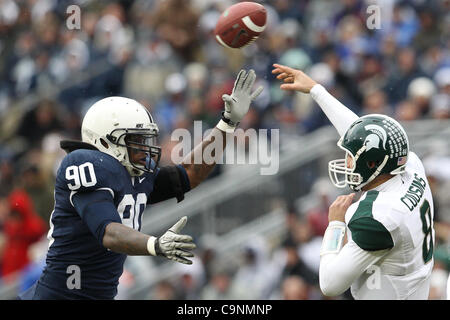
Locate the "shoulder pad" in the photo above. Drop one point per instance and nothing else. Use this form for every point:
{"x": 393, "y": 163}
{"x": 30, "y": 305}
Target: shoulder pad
{"x": 370, "y": 234}
{"x": 414, "y": 162}
{"x": 72, "y": 145}
{"x": 88, "y": 170}
{"x": 367, "y": 232}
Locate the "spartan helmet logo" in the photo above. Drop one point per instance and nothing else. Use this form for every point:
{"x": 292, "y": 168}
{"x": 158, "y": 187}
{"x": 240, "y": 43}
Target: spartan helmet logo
{"x": 373, "y": 139}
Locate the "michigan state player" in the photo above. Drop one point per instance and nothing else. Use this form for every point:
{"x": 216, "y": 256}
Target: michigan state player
{"x": 390, "y": 235}
{"x": 103, "y": 186}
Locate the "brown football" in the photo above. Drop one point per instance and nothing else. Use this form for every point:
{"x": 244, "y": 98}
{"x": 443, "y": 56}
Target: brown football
{"x": 240, "y": 24}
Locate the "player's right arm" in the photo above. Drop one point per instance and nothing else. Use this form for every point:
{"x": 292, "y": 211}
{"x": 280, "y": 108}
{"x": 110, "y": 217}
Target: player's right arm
{"x": 91, "y": 185}
{"x": 295, "y": 80}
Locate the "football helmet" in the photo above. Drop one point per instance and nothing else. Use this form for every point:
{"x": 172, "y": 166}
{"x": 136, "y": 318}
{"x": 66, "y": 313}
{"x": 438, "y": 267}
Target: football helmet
{"x": 374, "y": 144}
{"x": 120, "y": 126}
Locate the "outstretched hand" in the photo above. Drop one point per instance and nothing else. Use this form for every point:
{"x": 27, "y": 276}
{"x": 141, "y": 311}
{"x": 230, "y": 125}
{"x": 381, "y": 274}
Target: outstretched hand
{"x": 176, "y": 246}
{"x": 237, "y": 105}
{"x": 294, "y": 80}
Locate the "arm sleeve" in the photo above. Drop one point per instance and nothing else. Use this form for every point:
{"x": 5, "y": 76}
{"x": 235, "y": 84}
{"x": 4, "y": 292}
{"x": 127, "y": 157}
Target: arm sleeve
{"x": 171, "y": 181}
{"x": 97, "y": 210}
{"x": 338, "y": 271}
{"x": 340, "y": 116}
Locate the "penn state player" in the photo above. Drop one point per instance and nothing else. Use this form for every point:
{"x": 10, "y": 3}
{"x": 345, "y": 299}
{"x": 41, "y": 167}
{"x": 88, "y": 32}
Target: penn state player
{"x": 389, "y": 253}
{"x": 103, "y": 186}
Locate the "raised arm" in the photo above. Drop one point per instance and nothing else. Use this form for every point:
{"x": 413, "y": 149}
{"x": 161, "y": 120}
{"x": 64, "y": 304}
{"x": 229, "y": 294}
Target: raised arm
{"x": 198, "y": 163}
{"x": 296, "y": 80}
{"x": 198, "y": 170}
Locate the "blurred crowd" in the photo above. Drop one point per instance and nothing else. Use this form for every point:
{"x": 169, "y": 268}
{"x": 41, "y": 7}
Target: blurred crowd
{"x": 163, "y": 53}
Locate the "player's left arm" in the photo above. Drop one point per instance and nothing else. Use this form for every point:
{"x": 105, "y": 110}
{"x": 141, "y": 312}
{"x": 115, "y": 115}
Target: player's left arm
{"x": 196, "y": 166}
{"x": 172, "y": 245}
{"x": 339, "y": 270}
{"x": 198, "y": 163}
{"x": 98, "y": 212}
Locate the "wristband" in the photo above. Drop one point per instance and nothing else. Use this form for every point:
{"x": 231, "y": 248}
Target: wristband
{"x": 226, "y": 120}
{"x": 333, "y": 238}
{"x": 151, "y": 245}
{"x": 225, "y": 127}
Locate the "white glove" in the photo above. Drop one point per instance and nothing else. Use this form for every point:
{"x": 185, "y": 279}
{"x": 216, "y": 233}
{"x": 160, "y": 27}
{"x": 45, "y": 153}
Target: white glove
{"x": 236, "y": 105}
{"x": 173, "y": 245}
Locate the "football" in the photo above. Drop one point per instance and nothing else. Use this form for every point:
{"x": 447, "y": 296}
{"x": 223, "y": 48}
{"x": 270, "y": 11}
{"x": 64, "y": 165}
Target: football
{"x": 240, "y": 24}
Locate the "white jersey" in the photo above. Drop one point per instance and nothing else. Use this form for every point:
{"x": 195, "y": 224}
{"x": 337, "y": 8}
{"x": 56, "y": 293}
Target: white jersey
{"x": 397, "y": 216}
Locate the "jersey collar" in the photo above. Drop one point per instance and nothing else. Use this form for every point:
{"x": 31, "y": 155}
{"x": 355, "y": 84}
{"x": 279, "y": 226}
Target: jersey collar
{"x": 390, "y": 185}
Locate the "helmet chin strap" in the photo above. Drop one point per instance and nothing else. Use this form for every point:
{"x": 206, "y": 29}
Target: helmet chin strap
{"x": 135, "y": 172}
{"x": 149, "y": 165}
{"x": 373, "y": 176}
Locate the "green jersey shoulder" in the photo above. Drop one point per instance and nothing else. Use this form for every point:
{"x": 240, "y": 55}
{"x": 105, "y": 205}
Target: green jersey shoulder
{"x": 367, "y": 229}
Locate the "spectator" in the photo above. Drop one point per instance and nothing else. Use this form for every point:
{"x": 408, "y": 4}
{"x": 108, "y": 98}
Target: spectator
{"x": 375, "y": 102}
{"x": 317, "y": 217}
{"x": 173, "y": 21}
{"x": 218, "y": 288}
{"x": 404, "y": 24}
{"x": 254, "y": 277}
{"x": 40, "y": 192}
{"x": 4, "y": 212}
{"x": 442, "y": 80}
{"x": 294, "y": 288}
{"x": 171, "y": 110}
{"x": 372, "y": 75}
{"x": 22, "y": 228}
{"x": 420, "y": 91}
{"x": 440, "y": 106}
{"x": 191, "y": 279}
{"x": 32, "y": 271}
{"x": 295, "y": 266}
{"x": 407, "y": 110}
{"x": 429, "y": 33}
{"x": 402, "y": 75}
{"x": 433, "y": 59}
{"x": 40, "y": 121}
{"x": 164, "y": 290}
{"x": 7, "y": 176}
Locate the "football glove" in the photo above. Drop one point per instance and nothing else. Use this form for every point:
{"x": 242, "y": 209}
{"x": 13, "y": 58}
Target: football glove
{"x": 236, "y": 105}
{"x": 172, "y": 245}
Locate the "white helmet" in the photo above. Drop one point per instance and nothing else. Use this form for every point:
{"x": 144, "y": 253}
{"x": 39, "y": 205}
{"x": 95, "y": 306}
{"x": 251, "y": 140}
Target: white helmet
{"x": 116, "y": 125}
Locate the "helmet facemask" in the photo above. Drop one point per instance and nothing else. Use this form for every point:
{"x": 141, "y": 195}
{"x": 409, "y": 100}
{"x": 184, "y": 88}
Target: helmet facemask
{"x": 343, "y": 174}
{"x": 135, "y": 142}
